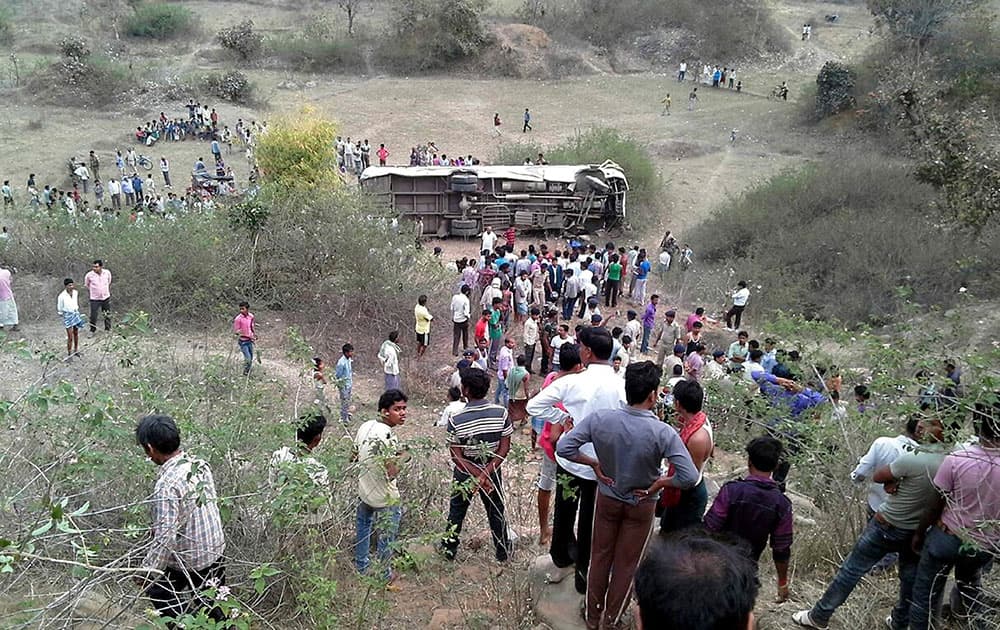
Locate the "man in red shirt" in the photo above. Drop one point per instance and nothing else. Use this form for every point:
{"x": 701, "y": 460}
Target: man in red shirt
{"x": 510, "y": 235}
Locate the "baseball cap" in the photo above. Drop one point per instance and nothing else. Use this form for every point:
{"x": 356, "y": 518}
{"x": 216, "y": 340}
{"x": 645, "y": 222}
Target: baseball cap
{"x": 671, "y": 312}
{"x": 595, "y": 318}
{"x": 469, "y": 353}
{"x": 718, "y": 353}
{"x": 680, "y": 348}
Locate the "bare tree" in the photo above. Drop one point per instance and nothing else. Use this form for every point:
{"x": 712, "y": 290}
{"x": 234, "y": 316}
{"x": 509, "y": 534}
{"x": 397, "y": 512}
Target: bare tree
{"x": 351, "y": 8}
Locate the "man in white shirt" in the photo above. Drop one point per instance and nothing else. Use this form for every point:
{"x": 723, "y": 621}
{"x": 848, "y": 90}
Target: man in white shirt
{"x": 752, "y": 364}
{"x": 595, "y": 389}
{"x": 664, "y": 263}
{"x": 489, "y": 239}
{"x": 881, "y": 453}
{"x": 740, "y": 298}
{"x": 460, "y": 313}
{"x": 571, "y": 291}
{"x": 291, "y": 469}
{"x": 531, "y": 337}
{"x": 83, "y": 174}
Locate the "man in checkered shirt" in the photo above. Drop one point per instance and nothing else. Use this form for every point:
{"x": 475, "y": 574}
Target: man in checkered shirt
{"x": 188, "y": 542}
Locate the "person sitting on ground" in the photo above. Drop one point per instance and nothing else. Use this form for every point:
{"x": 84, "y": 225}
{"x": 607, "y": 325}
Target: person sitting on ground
{"x": 694, "y": 579}
{"x": 755, "y": 509}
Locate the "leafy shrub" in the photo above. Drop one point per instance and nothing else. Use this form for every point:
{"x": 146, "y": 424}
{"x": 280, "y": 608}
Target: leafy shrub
{"x": 74, "y": 47}
{"x": 835, "y": 89}
{"x": 298, "y": 151}
{"x": 726, "y": 30}
{"x": 160, "y": 20}
{"x": 853, "y": 239}
{"x": 242, "y": 40}
{"x": 430, "y": 34}
{"x": 314, "y": 52}
{"x": 233, "y": 86}
{"x": 596, "y": 146}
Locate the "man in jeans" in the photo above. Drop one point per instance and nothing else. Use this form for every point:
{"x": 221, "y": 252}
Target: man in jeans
{"x": 965, "y": 533}
{"x": 571, "y": 291}
{"x": 246, "y": 334}
{"x": 460, "y": 313}
{"x": 890, "y": 530}
{"x": 479, "y": 437}
{"x": 379, "y": 458}
{"x": 630, "y": 443}
{"x": 98, "y": 282}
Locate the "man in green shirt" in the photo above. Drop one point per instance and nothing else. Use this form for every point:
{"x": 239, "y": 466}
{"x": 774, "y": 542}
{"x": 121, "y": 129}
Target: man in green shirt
{"x": 496, "y": 331}
{"x": 612, "y": 281}
{"x": 909, "y": 481}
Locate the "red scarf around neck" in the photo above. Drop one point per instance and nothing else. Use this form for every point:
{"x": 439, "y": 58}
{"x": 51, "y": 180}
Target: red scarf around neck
{"x": 672, "y": 496}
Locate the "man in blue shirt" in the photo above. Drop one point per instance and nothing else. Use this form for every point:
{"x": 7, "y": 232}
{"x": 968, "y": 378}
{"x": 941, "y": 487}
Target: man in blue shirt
{"x": 344, "y": 372}
{"x": 642, "y": 268}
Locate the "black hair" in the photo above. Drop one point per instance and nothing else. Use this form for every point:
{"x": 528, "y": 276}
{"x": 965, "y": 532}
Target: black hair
{"x": 569, "y": 356}
{"x": 689, "y": 396}
{"x": 160, "y": 432}
{"x": 862, "y": 392}
{"x": 454, "y": 393}
{"x": 310, "y": 426}
{"x": 477, "y": 382}
{"x": 535, "y": 310}
{"x": 466, "y": 290}
{"x": 347, "y": 348}
{"x": 698, "y": 324}
{"x": 393, "y": 336}
{"x": 422, "y": 300}
{"x": 912, "y": 423}
{"x": 756, "y": 355}
{"x": 986, "y": 419}
{"x": 641, "y": 379}
{"x": 599, "y": 341}
{"x": 99, "y": 262}
{"x": 754, "y": 344}
{"x": 67, "y": 282}
{"x": 678, "y": 370}
{"x": 631, "y": 315}
{"x": 699, "y": 311}
{"x": 743, "y": 333}
{"x": 521, "y": 360}
{"x": 626, "y": 339}
{"x": 742, "y": 284}
{"x": 244, "y": 303}
{"x": 694, "y": 579}
{"x": 765, "y": 453}
{"x": 616, "y": 332}
{"x": 389, "y": 398}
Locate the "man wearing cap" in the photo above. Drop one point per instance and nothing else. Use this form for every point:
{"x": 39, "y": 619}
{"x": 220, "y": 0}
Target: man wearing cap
{"x": 677, "y": 358}
{"x": 582, "y": 394}
{"x": 669, "y": 332}
{"x": 596, "y": 321}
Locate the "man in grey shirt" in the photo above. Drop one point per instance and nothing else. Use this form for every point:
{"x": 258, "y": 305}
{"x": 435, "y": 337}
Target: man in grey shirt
{"x": 631, "y": 443}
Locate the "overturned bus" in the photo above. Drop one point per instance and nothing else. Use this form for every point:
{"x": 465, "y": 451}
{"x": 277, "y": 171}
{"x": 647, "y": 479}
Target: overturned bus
{"x": 461, "y": 201}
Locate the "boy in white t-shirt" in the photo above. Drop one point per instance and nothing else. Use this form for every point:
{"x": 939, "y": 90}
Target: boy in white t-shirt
{"x": 379, "y": 457}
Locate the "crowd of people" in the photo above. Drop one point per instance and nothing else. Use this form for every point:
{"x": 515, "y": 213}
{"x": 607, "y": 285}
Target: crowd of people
{"x": 98, "y": 193}
{"x": 614, "y": 405}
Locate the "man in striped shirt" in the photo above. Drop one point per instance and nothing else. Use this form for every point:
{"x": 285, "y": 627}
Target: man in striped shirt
{"x": 479, "y": 437}
{"x": 188, "y": 543}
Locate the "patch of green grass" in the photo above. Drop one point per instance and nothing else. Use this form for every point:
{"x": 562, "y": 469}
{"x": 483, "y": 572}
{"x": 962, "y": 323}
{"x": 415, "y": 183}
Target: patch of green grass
{"x": 160, "y": 20}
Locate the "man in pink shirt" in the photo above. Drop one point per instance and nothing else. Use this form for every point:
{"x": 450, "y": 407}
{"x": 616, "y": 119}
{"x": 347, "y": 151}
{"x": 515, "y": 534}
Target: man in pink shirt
{"x": 246, "y": 334}
{"x": 8, "y": 307}
{"x": 98, "y": 282}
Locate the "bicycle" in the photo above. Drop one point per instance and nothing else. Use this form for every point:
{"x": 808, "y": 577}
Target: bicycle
{"x": 145, "y": 162}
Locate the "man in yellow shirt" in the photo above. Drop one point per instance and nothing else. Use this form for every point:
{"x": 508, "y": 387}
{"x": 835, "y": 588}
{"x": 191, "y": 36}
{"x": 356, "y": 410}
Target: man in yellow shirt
{"x": 423, "y": 327}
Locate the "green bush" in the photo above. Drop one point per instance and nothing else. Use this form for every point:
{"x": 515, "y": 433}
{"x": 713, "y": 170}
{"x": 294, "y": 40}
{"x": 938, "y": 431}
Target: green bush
{"x": 233, "y": 86}
{"x": 722, "y": 28}
{"x": 433, "y": 34}
{"x": 160, "y": 20}
{"x": 596, "y": 146}
{"x": 853, "y": 239}
{"x": 835, "y": 89}
{"x": 242, "y": 39}
{"x": 317, "y": 53}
